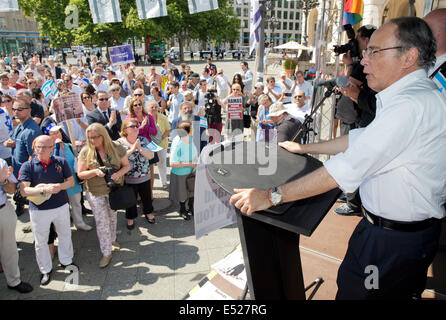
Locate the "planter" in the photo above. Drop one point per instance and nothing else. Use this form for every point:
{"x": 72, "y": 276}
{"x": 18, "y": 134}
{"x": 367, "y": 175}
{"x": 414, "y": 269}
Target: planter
{"x": 289, "y": 65}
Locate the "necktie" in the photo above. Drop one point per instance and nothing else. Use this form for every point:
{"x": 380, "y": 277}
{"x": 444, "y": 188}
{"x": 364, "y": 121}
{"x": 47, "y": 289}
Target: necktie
{"x": 105, "y": 115}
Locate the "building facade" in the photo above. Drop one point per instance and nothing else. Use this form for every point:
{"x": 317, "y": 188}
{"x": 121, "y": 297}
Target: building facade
{"x": 18, "y": 33}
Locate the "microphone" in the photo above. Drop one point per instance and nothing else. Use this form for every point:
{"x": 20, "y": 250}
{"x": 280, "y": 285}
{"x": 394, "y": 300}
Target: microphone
{"x": 341, "y": 81}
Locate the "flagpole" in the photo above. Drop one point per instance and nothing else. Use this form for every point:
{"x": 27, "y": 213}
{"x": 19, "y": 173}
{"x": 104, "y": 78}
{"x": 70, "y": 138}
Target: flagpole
{"x": 261, "y": 48}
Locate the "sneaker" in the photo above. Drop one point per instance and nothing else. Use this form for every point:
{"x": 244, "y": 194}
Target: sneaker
{"x": 345, "y": 210}
{"x": 105, "y": 261}
{"x": 22, "y": 287}
{"x": 185, "y": 216}
{"x": 45, "y": 278}
{"x": 342, "y": 198}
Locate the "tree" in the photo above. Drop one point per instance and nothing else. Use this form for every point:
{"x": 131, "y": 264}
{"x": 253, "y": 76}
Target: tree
{"x": 215, "y": 24}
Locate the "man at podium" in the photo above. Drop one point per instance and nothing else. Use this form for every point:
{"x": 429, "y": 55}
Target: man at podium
{"x": 397, "y": 162}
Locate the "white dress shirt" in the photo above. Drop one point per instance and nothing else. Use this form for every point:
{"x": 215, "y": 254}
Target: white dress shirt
{"x": 305, "y": 87}
{"x": 398, "y": 160}
{"x": 175, "y": 106}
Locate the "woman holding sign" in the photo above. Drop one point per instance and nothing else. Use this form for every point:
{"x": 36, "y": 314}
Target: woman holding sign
{"x": 235, "y": 106}
{"x": 139, "y": 174}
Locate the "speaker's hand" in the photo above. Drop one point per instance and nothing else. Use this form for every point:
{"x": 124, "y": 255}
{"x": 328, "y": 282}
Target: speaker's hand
{"x": 250, "y": 200}
{"x": 293, "y": 147}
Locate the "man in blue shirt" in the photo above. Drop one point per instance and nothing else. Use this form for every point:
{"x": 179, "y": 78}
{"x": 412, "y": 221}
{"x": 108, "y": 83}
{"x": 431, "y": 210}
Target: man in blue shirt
{"x": 21, "y": 139}
{"x": 44, "y": 180}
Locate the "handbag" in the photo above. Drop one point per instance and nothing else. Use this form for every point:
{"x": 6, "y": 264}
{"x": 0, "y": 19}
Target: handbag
{"x": 190, "y": 182}
{"x": 122, "y": 197}
{"x": 158, "y": 137}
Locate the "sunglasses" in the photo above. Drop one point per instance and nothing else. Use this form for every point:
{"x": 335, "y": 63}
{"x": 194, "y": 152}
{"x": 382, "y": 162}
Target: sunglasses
{"x": 299, "y": 96}
{"x": 133, "y": 127}
{"x": 115, "y": 90}
{"x": 138, "y": 94}
{"x": 137, "y": 105}
{"x": 103, "y": 99}
{"x": 94, "y": 137}
{"x": 86, "y": 97}
{"x": 19, "y": 109}
{"x": 235, "y": 89}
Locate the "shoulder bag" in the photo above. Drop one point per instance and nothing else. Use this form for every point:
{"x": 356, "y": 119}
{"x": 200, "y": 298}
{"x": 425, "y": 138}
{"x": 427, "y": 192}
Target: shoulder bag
{"x": 122, "y": 197}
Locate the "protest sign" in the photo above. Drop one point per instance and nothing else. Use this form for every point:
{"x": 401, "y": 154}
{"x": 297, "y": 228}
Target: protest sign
{"x": 68, "y": 107}
{"x": 235, "y": 108}
{"x": 121, "y": 55}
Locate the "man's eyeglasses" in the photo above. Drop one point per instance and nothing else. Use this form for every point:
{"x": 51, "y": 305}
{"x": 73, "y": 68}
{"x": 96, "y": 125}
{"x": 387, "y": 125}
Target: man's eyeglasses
{"x": 103, "y": 99}
{"x": 299, "y": 96}
{"x": 19, "y": 109}
{"x": 370, "y": 52}
{"x": 137, "y": 94}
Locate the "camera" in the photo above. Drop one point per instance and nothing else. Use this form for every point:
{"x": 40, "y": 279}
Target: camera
{"x": 351, "y": 45}
{"x": 212, "y": 108}
{"x": 108, "y": 171}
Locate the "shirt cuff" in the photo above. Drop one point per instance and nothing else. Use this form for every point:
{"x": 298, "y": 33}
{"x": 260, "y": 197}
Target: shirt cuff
{"x": 338, "y": 167}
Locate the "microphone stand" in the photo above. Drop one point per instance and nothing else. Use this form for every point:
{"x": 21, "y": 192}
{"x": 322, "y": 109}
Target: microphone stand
{"x": 309, "y": 118}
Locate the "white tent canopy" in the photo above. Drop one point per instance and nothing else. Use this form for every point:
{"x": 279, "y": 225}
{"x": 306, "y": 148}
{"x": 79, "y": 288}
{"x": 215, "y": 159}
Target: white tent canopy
{"x": 292, "y": 45}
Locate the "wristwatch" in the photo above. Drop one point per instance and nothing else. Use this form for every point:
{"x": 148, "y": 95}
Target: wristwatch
{"x": 275, "y": 196}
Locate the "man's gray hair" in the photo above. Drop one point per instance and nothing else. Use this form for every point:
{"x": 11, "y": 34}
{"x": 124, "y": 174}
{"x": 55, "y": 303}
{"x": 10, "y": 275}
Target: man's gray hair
{"x": 25, "y": 92}
{"x": 413, "y": 32}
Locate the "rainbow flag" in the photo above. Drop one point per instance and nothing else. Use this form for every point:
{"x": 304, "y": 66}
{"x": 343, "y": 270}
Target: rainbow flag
{"x": 353, "y": 11}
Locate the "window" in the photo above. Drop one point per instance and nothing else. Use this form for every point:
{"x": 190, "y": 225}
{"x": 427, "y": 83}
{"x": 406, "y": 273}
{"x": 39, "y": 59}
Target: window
{"x": 292, "y": 4}
{"x": 291, "y": 15}
{"x": 285, "y": 14}
{"x": 297, "y": 15}
{"x": 2, "y": 23}
{"x": 285, "y": 26}
{"x": 296, "y": 26}
{"x": 279, "y": 14}
{"x": 273, "y": 13}
{"x": 245, "y": 23}
{"x": 285, "y": 4}
{"x": 239, "y": 11}
{"x": 245, "y": 12}
{"x": 279, "y": 4}
{"x": 278, "y": 26}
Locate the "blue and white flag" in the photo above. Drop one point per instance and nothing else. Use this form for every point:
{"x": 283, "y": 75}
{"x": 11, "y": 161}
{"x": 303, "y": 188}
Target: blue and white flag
{"x": 203, "y": 122}
{"x": 49, "y": 89}
{"x": 255, "y": 19}
{"x": 152, "y": 146}
{"x": 9, "y": 5}
{"x": 151, "y": 8}
{"x": 196, "y": 6}
{"x": 105, "y": 11}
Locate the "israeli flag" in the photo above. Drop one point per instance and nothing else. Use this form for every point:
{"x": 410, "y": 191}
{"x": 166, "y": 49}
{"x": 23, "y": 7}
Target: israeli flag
{"x": 255, "y": 19}
{"x": 152, "y": 146}
{"x": 203, "y": 122}
{"x": 9, "y": 5}
{"x": 151, "y": 8}
{"x": 105, "y": 11}
{"x": 49, "y": 89}
{"x": 196, "y": 6}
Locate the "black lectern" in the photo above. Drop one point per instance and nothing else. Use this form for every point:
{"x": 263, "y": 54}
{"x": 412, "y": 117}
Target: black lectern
{"x": 270, "y": 239}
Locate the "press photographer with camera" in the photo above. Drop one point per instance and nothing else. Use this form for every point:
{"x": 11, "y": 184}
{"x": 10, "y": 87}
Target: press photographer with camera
{"x": 99, "y": 180}
{"x": 212, "y": 113}
{"x": 363, "y": 98}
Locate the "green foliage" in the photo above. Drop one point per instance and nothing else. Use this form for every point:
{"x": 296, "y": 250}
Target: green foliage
{"x": 289, "y": 64}
{"x": 205, "y": 26}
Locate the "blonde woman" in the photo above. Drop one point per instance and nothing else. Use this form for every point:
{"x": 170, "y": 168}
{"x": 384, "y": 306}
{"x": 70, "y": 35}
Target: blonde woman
{"x": 113, "y": 155}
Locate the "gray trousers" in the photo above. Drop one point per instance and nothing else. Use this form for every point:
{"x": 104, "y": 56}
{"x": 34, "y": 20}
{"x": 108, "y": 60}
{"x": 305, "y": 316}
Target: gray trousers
{"x": 9, "y": 256}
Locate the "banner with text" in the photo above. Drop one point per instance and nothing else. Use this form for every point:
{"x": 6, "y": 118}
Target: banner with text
{"x": 196, "y": 6}
{"x": 151, "y": 8}
{"x": 105, "y": 11}
{"x": 235, "y": 108}
{"x": 121, "y": 55}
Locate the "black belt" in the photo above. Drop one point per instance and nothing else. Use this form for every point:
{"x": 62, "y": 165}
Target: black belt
{"x": 3, "y": 205}
{"x": 397, "y": 225}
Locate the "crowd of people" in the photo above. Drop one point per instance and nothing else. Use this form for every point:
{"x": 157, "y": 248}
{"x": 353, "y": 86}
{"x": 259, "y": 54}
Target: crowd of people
{"x": 58, "y": 166}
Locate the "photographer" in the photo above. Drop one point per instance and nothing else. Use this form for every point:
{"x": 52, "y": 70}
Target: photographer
{"x": 212, "y": 110}
{"x": 99, "y": 179}
{"x": 363, "y": 98}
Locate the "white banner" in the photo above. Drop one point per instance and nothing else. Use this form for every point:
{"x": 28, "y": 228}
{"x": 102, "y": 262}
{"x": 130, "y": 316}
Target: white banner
{"x": 255, "y": 19}
{"x": 211, "y": 203}
{"x": 105, "y": 11}
{"x": 9, "y": 5}
{"x": 151, "y": 8}
{"x": 196, "y": 6}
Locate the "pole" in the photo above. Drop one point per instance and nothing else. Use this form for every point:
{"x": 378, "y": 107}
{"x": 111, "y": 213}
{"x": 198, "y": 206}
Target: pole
{"x": 261, "y": 49}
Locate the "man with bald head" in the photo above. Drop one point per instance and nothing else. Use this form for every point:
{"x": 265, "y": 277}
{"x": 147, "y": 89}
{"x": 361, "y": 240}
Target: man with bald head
{"x": 437, "y": 22}
{"x": 397, "y": 162}
{"x": 44, "y": 180}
